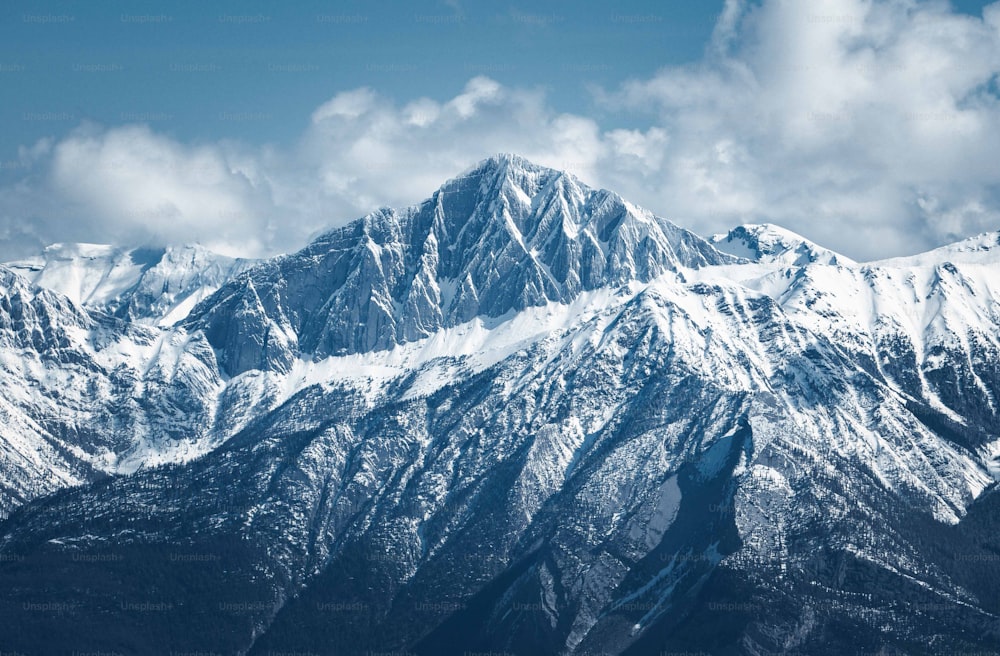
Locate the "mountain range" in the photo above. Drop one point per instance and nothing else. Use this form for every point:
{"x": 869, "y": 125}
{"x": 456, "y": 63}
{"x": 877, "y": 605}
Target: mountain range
{"x": 523, "y": 417}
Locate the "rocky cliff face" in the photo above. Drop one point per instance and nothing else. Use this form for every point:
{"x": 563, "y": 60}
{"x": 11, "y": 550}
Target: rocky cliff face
{"x": 86, "y": 394}
{"x": 528, "y": 417}
{"x": 507, "y": 236}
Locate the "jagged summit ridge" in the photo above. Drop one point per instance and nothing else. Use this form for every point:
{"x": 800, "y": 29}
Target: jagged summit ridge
{"x": 147, "y": 285}
{"x": 504, "y": 236}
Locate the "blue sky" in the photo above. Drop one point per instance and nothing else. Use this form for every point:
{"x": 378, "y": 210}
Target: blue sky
{"x": 870, "y": 126}
{"x": 255, "y": 70}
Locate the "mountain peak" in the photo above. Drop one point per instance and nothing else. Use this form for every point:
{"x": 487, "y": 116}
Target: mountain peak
{"x": 769, "y": 243}
{"x": 505, "y": 236}
{"x": 147, "y": 284}
{"x": 506, "y": 161}
{"x": 504, "y": 174}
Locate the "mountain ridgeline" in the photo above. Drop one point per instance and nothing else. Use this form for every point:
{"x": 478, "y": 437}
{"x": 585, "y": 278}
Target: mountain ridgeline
{"x": 522, "y": 417}
{"x": 145, "y": 285}
{"x": 507, "y": 236}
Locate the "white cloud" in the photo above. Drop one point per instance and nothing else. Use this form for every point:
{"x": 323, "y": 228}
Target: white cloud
{"x": 130, "y": 185}
{"x": 139, "y": 185}
{"x": 361, "y": 150}
{"x": 391, "y": 155}
{"x": 869, "y": 126}
{"x": 838, "y": 119}
{"x": 348, "y": 105}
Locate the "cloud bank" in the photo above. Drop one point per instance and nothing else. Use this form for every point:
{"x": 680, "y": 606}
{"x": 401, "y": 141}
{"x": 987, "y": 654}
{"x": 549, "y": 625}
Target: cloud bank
{"x": 870, "y": 127}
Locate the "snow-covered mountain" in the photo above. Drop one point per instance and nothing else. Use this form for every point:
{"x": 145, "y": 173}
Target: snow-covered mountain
{"x": 85, "y": 394}
{"x": 768, "y": 243}
{"x": 524, "y": 416}
{"x": 926, "y": 325}
{"x": 146, "y": 285}
{"x": 506, "y": 236}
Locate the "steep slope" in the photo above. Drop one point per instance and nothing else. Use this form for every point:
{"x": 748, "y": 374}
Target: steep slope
{"x": 569, "y": 498}
{"x": 85, "y": 394}
{"x": 147, "y": 285}
{"x": 506, "y": 236}
{"x": 927, "y": 325}
{"x": 528, "y": 417}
